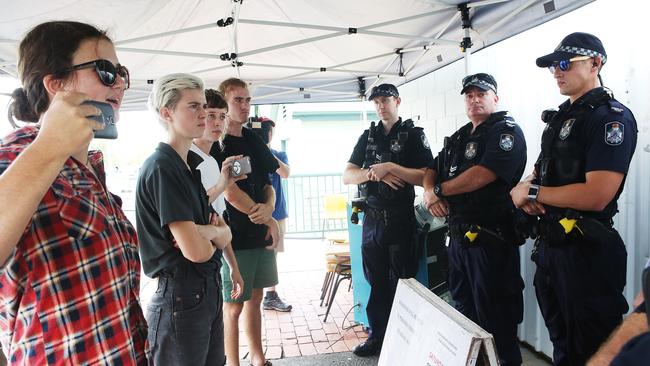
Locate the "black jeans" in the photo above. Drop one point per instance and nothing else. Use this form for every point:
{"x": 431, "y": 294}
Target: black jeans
{"x": 185, "y": 320}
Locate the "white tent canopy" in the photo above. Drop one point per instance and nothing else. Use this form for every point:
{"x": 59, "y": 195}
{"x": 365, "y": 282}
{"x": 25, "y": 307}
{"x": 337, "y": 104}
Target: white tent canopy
{"x": 289, "y": 50}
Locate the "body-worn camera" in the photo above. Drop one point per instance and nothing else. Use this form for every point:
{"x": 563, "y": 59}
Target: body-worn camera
{"x": 241, "y": 166}
{"x": 105, "y": 117}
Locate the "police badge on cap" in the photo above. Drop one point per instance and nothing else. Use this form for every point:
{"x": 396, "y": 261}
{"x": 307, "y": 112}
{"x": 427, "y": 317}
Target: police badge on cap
{"x": 614, "y": 133}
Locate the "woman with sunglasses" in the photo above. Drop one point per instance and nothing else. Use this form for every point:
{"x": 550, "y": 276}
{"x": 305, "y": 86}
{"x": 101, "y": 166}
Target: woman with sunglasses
{"x": 181, "y": 241}
{"x": 70, "y": 278}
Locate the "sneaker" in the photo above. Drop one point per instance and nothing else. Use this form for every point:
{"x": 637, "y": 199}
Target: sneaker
{"x": 273, "y": 302}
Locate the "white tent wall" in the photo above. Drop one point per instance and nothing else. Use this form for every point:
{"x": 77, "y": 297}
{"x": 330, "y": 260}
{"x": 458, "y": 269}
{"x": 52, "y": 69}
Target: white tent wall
{"x": 525, "y": 90}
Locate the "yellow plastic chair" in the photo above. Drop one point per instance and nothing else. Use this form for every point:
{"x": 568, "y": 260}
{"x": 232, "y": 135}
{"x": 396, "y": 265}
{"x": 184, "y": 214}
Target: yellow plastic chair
{"x": 335, "y": 209}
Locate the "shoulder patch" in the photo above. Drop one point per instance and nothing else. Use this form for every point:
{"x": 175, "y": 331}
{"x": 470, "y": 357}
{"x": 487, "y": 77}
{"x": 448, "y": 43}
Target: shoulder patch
{"x": 507, "y": 142}
{"x": 565, "y": 131}
{"x": 614, "y": 133}
{"x": 616, "y": 109}
{"x": 425, "y": 142}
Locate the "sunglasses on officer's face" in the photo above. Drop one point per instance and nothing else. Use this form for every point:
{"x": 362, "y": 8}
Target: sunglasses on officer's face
{"x": 106, "y": 71}
{"x": 565, "y": 65}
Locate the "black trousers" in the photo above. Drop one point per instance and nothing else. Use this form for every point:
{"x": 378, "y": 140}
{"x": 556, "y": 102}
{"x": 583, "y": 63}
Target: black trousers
{"x": 185, "y": 320}
{"x": 486, "y": 285}
{"x": 579, "y": 289}
{"x": 388, "y": 253}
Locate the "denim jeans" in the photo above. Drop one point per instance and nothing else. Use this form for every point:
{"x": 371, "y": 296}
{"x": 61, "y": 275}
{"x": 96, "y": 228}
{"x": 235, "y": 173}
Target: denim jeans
{"x": 185, "y": 320}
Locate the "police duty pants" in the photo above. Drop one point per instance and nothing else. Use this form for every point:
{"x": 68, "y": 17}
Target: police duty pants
{"x": 579, "y": 287}
{"x": 185, "y": 321}
{"x": 388, "y": 254}
{"x": 486, "y": 285}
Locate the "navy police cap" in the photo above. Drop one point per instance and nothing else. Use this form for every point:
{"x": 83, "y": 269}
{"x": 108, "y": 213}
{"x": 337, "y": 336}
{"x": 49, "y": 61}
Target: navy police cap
{"x": 575, "y": 44}
{"x": 384, "y": 90}
{"x": 481, "y": 80}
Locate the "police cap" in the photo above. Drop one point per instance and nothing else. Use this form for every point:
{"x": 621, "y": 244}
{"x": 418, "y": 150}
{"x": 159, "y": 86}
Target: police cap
{"x": 481, "y": 80}
{"x": 575, "y": 44}
{"x": 384, "y": 90}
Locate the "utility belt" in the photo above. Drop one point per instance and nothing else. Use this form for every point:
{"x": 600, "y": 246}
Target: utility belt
{"x": 388, "y": 214}
{"x": 571, "y": 227}
{"x": 471, "y": 232}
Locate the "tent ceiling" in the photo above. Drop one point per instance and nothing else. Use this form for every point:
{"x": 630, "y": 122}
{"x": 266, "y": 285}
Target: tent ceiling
{"x": 289, "y": 50}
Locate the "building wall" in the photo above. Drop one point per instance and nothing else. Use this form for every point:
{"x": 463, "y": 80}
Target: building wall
{"x": 525, "y": 91}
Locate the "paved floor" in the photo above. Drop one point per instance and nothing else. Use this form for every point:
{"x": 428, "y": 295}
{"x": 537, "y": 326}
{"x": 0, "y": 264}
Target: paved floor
{"x": 301, "y": 337}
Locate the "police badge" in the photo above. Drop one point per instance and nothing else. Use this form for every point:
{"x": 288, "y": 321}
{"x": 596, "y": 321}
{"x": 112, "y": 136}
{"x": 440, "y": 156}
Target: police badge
{"x": 614, "y": 133}
{"x": 425, "y": 142}
{"x": 507, "y": 142}
{"x": 566, "y": 128}
{"x": 470, "y": 150}
{"x": 395, "y": 146}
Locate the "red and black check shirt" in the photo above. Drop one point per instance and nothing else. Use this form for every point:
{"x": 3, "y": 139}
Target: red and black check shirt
{"x": 69, "y": 292}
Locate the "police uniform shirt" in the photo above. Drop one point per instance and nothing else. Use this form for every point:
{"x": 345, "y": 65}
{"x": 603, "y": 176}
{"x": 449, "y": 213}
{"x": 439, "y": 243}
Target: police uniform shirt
{"x": 417, "y": 153}
{"x": 497, "y": 144}
{"x": 609, "y": 135}
{"x": 167, "y": 191}
{"x": 245, "y": 234}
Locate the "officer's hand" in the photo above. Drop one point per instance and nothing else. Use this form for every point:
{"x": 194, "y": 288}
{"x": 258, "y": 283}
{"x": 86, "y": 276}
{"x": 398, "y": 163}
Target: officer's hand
{"x": 533, "y": 208}
{"x": 261, "y": 213}
{"x": 519, "y": 194}
{"x": 430, "y": 198}
{"x": 439, "y": 209}
{"x": 393, "y": 181}
{"x": 65, "y": 126}
{"x": 379, "y": 170}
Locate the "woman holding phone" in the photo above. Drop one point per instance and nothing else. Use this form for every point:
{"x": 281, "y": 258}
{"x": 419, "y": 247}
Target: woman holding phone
{"x": 70, "y": 278}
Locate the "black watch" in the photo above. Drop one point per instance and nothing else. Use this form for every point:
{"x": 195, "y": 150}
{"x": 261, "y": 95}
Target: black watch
{"x": 437, "y": 190}
{"x": 533, "y": 192}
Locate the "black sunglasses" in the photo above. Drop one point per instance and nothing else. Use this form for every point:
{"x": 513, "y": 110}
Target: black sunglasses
{"x": 106, "y": 71}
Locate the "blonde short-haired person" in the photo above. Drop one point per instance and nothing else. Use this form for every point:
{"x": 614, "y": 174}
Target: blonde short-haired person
{"x": 181, "y": 240}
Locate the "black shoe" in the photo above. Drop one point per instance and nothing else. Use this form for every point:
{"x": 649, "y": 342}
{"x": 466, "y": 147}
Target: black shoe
{"x": 370, "y": 347}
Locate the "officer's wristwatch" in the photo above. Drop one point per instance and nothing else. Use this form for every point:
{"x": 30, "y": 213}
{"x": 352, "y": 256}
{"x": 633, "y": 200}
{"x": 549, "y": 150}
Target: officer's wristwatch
{"x": 437, "y": 190}
{"x": 533, "y": 191}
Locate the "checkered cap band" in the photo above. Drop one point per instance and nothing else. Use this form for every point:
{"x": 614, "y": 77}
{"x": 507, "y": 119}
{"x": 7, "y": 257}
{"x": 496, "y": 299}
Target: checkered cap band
{"x": 582, "y": 51}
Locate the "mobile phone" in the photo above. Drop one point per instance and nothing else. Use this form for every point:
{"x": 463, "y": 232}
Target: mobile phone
{"x": 106, "y": 117}
{"x": 241, "y": 166}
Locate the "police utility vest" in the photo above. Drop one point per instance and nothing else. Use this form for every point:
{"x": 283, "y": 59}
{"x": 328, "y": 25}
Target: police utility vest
{"x": 382, "y": 148}
{"x": 562, "y": 160}
{"x": 488, "y": 205}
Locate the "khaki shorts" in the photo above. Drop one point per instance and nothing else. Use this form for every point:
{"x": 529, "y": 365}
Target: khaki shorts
{"x": 258, "y": 269}
{"x": 283, "y": 229}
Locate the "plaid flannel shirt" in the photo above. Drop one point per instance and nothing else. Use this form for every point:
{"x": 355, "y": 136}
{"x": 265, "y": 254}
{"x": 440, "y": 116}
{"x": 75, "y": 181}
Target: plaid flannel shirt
{"x": 69, "y": 291}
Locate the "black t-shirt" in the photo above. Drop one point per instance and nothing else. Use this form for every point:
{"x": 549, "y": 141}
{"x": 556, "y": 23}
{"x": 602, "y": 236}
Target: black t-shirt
{"x": 168, "y": 191}
{"x": 245, "y": 234}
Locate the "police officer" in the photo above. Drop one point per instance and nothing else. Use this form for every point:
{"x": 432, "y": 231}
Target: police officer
{"x": 586, "y": 151}
{"x": 387, "y": 161}
{"x": 469, "y": 183}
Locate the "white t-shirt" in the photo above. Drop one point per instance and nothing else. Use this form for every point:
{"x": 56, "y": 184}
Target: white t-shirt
{"x": 210, "y": 174}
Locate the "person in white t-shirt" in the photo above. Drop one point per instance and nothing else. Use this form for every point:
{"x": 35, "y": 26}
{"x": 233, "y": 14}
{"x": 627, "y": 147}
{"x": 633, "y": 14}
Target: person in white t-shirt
{"x": 213, "y": 178}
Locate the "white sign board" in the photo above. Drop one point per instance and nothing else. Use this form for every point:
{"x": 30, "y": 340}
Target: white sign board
{"x": 424, "y": 330}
